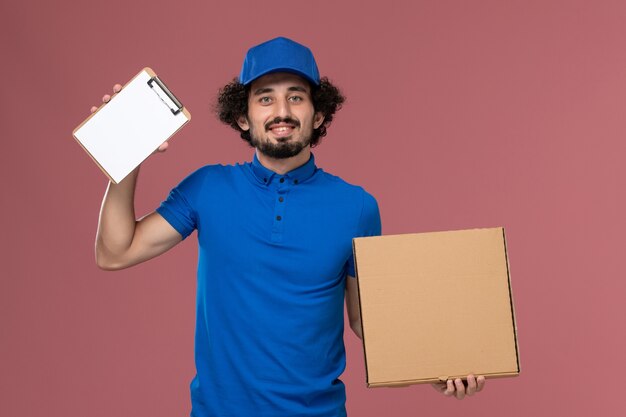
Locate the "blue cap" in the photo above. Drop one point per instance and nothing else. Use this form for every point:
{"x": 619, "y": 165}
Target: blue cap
{"x": 279, "y": 55}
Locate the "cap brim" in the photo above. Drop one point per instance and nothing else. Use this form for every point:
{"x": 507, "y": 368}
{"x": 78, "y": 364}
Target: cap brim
{"x": 283, "y": 69}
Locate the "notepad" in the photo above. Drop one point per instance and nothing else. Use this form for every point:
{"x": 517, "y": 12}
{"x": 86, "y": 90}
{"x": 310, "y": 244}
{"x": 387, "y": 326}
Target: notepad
{"x": 122, "y": 133}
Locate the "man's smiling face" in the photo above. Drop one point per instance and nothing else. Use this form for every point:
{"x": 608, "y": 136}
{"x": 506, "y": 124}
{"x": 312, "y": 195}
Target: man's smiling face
{"x": 281, "y": 117}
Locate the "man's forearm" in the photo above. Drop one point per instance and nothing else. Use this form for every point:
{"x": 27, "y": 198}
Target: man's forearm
{"x": 116, "y": 224}
{"x": 356, "y": 328}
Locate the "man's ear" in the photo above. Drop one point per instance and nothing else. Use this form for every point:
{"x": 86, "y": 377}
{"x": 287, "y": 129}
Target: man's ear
{"x": 242, "y": 121}
{"x": 318, "y": 120}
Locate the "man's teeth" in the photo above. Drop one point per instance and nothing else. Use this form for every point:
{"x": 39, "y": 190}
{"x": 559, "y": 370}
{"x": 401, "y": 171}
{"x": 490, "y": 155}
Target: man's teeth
{"x": 281, "y": 129}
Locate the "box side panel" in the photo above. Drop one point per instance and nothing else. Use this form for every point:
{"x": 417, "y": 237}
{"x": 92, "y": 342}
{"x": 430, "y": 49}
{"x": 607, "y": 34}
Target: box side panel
{"x": 436, "y": 380}
{"x": 513, "y": 318}
{"x": 356, "y": 272}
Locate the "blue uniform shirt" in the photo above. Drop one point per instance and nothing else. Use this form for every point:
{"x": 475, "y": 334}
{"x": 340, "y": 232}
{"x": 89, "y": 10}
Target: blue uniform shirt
{"x": 274, "y": 251}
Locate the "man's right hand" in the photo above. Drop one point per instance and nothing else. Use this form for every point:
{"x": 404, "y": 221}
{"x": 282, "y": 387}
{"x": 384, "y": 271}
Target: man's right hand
{"x": 106, "y": 98}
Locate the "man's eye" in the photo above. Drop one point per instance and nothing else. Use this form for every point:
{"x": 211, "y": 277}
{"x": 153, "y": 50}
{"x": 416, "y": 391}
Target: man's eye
{"x": 265, "y": 100}
{"x": 295, "y": 98}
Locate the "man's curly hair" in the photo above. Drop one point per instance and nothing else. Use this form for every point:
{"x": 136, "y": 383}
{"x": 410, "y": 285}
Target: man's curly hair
{"x": 232, "y": 102}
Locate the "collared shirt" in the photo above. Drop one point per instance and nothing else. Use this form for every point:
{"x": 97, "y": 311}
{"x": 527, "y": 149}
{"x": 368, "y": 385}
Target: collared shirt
{"x": 274, "y": 252}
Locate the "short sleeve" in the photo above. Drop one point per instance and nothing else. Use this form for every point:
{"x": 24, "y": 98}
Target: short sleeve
{"x": 369, "y": 224}
{"x": 180, "y": 207}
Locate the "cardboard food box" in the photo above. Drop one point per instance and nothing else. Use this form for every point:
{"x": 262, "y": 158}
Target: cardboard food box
{"x": 436, "y": 306}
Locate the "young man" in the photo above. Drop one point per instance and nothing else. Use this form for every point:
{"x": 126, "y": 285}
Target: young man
{"x": 275, "y": 247}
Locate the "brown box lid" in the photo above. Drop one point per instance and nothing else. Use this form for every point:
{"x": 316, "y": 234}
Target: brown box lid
{"x": 436, "y": 306}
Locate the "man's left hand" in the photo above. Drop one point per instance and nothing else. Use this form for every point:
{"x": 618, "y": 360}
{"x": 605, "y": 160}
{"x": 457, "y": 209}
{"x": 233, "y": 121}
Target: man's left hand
{"x": 460, "y": 388}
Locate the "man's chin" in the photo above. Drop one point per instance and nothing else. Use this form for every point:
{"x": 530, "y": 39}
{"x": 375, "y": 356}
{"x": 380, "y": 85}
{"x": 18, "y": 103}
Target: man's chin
{"x": 280, "y": 147}
{"x": 285, "y": 151}
{"x": 280, "y": 153}
{"x": 283, "y": 139}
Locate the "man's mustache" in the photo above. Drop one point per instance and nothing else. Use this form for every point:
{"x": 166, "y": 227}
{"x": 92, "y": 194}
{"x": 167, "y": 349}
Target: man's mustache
{"x": 277, "y": 120}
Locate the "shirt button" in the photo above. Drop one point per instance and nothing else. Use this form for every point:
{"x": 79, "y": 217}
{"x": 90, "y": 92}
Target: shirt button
{"x": 264, "y": 179}
{"x": 282, "y": 180}
{"x": 295, "y": 181}
{"x": 278, "y": 218}
{"x": 281, "y": 199}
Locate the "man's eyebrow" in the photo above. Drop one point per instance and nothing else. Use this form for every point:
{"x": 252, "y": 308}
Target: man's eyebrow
{"x": 262, "y": 90}
{"x": 298, "y": 88}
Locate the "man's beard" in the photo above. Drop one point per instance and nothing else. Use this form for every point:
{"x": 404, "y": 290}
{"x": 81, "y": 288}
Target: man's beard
{"x": 285, "y": 148}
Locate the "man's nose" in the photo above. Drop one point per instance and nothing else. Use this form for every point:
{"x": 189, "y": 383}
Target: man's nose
{"x": 283, "y": 108}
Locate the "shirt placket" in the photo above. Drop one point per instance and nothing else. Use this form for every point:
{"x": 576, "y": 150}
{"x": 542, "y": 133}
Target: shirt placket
{"x": 280, "y": 202}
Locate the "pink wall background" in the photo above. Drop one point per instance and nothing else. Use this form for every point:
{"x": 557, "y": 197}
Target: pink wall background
{"x": 459, "y": 115}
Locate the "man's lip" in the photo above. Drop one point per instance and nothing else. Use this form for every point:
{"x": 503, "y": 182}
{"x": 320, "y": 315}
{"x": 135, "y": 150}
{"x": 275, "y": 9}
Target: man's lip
{"x": 282, "y": 131}
{"x": 276, "y": 125}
